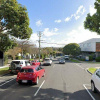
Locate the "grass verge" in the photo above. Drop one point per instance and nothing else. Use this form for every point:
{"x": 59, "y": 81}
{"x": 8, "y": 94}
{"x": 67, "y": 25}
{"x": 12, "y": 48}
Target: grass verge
{"x": 92, "y": 70}
{"x": 4, "y": 70}
{"x": 74, "y": 60}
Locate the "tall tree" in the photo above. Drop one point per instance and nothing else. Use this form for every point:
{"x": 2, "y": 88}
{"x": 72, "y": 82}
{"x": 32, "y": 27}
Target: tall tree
{"x": 72, "y": 49}
{"x": 14, "y": 20}
{"x": 93, "y": 22}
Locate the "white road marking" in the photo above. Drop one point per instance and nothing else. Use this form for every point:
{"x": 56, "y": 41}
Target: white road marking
{"x": 88, "y": 91}
{"x": 39, "y": 88}
{"x": 80, "y": 66}
{"x": 7, "y": 82}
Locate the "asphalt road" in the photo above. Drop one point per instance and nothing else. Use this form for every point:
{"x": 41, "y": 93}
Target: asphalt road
{"x": 62, "y": 82}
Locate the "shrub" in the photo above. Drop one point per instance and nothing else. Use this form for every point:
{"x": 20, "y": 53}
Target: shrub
{"x": 18, "y": 57}
{"x": 98, "y": 59}
{"x": 90, "y": 58}
{"x": 5, "y": 59}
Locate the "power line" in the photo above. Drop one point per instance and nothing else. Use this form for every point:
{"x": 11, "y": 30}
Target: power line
{"x": 53, "y": 43}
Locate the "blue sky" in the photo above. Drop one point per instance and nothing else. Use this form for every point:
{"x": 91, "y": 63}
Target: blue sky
{"x": 61, "y": 21}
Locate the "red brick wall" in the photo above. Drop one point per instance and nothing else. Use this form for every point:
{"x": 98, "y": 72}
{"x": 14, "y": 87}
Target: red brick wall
{"x": 97, "y": 47}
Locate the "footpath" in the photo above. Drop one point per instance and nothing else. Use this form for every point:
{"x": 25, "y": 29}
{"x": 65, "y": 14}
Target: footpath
{"x": 6, "y": 78}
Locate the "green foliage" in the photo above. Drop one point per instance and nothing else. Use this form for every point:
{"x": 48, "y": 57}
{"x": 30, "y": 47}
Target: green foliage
{"x": 6, "y": 43}
{"x": 98, "y": 59}
{"x": 18, "y": 57}
{"x": 5, "y": 58}
{"x": 14, "y": 21}
{"x": 90, "y": 58}
{"x": 93, "y": 22}
{"x": 72, "y": 49}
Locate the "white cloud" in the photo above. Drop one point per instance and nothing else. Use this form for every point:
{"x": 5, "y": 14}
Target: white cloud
{"x": 80, "y": 35}
{"x": 76, "y": 17}
{"x": 39, "y": 23}
{"x": 49, "y": 33}
{"x": 58, "y": 21}
{"x": 67, "y": 19}
{"x": 56, "y": 29}
{"x": 34, "y": 37}
{"x": 81, "y": 10}
{"x": 92, "y": 10}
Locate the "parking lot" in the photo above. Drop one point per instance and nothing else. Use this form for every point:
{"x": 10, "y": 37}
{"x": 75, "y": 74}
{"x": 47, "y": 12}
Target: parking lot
{"x": 68, "y": 81}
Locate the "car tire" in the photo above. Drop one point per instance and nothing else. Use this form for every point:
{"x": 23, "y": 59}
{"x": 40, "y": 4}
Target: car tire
{"x": 19, "y": 83}
{"x": 93, "y": 87}
{"x": 37, "y": 81}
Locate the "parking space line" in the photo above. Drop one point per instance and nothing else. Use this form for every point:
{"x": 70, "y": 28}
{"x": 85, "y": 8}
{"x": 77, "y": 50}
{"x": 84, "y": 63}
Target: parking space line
{"x": 7, "y": 82}
{"x": 39, "y": 88}
{"x": 79, "y": 66}
{"x": 84, "y": 85}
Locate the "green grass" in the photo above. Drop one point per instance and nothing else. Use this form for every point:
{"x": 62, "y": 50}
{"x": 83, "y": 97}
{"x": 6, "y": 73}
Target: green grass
{"x": 4, "y": 70}
{"x": 74, "y": 60}
{"x": 92, "y": 70}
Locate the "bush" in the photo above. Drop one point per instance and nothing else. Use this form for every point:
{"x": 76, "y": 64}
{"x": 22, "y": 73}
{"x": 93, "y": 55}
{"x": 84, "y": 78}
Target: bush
{"x": 5, "y": 59}
{"x": 90, "y": 58}
{"x": 18, "y": 57}
{"x": 98, "y": 59}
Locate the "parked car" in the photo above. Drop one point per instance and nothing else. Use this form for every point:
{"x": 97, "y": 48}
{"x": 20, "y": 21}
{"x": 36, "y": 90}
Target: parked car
{"x": 16, "y": 65}
{"x": 30, "y": 74}
{"x": 35, "y": 62}
{"x": 47, "y": 61}
{"x": 66, "y": 57}
{"x": 95, "y": 81}
{"x": 62, "y": 61}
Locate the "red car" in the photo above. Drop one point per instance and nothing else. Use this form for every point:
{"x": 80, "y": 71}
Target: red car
{"x": 35, "y": 62}
{"x": 30, "y": 74}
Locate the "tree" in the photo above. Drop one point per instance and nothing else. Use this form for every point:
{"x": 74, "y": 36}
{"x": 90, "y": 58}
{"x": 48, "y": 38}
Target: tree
{"x": 72, "y": 49}
{"x": 14, "y": 21}
{"x": 93, "y": 22}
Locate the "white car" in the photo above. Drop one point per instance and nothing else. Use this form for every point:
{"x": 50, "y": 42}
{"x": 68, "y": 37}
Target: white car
{"x": 66, "y": 57}
{"x": 95, "y": 81}
{"x": 16, "y": 65}
{"x": 47, "y": 61}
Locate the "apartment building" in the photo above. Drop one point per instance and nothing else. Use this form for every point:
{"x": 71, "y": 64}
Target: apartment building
{"x": 91, "y": 46}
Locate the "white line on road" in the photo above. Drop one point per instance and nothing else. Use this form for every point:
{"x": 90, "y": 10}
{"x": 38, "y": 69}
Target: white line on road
{"x": 39, "y": 88}
{"x": 80, "y": 66}
{"x": 88, "y": 92}
{"x": 7, "y": 82}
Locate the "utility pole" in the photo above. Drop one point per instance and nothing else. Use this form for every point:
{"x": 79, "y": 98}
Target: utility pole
{"x": 39, "y": 35}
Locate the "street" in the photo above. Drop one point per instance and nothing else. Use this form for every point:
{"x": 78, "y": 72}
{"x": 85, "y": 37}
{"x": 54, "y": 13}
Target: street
{"x": 68, "y": 81}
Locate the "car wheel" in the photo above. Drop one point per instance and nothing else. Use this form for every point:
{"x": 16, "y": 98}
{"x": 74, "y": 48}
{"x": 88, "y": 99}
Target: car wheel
{"x": 19, "y": 83}
{"x": 37, "y": 80}
{"x": 93, "y": 87}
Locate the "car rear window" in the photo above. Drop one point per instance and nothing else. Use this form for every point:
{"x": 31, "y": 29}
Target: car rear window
{"x": 27, "y": 70}
{"x": 16, "y": 62}
{"x": 47, "y": 59}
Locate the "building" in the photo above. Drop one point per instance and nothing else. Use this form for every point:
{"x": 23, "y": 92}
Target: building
{"x": 91, "y": 46}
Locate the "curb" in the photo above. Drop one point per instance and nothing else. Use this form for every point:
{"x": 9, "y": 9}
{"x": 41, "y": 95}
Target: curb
{"x": 89, "y": 72}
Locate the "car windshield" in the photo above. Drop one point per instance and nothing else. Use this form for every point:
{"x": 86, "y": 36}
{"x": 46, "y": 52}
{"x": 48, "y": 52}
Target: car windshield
{"x": 16, "y": 62}
{"x": 47, "y": 59}
{"x": 27, "y": 70}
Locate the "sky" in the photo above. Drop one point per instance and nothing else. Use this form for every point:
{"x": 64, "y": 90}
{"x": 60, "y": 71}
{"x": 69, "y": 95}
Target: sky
{"x": 60, "y": 21}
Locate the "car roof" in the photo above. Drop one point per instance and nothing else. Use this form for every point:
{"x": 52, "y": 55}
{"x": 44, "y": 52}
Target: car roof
{"x": 19, "y": 60}
{"x": 31, "y": 66}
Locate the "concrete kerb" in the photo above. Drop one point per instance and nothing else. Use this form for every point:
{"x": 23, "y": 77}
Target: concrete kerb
{"x": 89, "y": 71}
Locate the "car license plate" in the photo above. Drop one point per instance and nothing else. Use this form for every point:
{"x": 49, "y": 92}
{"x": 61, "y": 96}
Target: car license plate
{"x": 24, "y": 81}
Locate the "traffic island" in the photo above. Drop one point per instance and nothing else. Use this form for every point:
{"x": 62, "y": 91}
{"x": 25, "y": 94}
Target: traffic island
{"x": 92, "y": 70}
